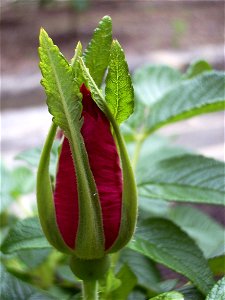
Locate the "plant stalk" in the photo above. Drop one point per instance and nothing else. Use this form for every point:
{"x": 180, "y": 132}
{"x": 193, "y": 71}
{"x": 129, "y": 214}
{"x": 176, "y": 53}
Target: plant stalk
{"x": 90, "y": 290}
{"x": 137, "y": 150}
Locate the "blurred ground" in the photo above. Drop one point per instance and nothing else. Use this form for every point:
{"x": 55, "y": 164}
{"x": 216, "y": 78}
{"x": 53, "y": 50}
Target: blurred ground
{"x": 169, "y": 32}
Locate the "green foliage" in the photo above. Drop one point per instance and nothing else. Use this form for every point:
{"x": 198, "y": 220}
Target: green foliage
{"x": 188, "y": 178}
{"x": 119, "y": 89}
{"x": 16, "y": 182}
{"x": 197, "y": 68}
{"x": 153, "y": 81}
{"x": 25, "y": 234}
{"x": 218, "y": 291}
{"x": 202, "y": 94}
{"x": 13, "y": 288}
{"x": 217, "y": 264}
{"x": 208, "y": 234}
{"x": 143, "y": 268}
{"x": 166, "y": 243}
{"x": 174, "y": 97}
{"x": 128, "y": 281}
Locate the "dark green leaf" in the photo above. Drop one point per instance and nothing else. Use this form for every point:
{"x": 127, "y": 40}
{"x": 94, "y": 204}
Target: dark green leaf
{"x": 153, "y": 81}
{"x": 96, "y": 56}
{"x": 144, "y": 269}
{"x": 218, "y": 291}
{"x": 202, "y": 94}
{"x": 190, "y": 293}
{"x": 165, "y": 243}
{"x": 197, "y": 68}
{"x": 188, "y": 178}
{"x": 149, "y": 207}
{"x": 13, "y": 288}
{"x": 25, "y": 234}
{"x": 119, "y": 90}
{"x": 208, "y": 234}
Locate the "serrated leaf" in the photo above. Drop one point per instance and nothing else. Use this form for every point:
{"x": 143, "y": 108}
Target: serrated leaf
{"x": 166, "y": 243}
{"x": 96, "y": 56}
{"x": 64, "y": 99}
{"x": 119, "y": 90}
{"x": 13, "y": 288}
{"x": 76, "y": 65}
{"x": 153, "y": 81}
{"x": 218, "y": 291}
{"x": 169, "y": 296}
{"x": 197, "y": 68}
{"x": 202, "y": 94}
{"x": 188, "y": 178}
{"x": 208, "y": 234}
{"x": 25, "y": 234}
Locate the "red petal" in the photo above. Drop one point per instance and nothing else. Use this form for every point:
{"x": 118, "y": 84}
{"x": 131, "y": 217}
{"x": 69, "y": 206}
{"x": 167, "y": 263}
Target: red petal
{"x": 65, "y": 196}
{"x": 105, "y": 166}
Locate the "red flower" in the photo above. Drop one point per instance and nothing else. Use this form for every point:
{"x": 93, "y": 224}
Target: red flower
{"x": 105, "y": 166}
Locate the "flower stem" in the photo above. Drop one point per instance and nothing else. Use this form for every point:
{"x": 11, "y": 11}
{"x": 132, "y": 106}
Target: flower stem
{"x": 90, "y": 290}
{"x": 139, "y": 142}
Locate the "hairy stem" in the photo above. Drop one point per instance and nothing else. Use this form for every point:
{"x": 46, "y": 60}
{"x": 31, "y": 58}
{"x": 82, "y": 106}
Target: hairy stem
{"x": 90, "y": 290}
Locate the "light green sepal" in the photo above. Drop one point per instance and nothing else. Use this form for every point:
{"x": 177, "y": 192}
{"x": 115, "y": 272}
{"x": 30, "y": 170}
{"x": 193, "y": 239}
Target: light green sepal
{"x": 64, "y": 103}
{"x": 129, "y": 197}
{"x": 45, "y": 201}
{"x": 96, "y": 56}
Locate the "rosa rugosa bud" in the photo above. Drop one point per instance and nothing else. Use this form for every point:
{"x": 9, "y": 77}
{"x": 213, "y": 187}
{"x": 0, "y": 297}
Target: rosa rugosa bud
{"x": 88, "y": 222}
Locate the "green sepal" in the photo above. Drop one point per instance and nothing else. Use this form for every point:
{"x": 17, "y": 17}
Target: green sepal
{"x": 96, "y": 56}
{"x": 64, "y": 103}
{"x": 119, "y": 92}
{"x": 93, "y": 269}
{"x": 129, "y": 197}
{"x": 46, "y": 209}
{"x": 78, "y": 76}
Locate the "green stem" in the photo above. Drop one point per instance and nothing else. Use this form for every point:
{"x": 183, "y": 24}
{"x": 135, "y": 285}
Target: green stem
{"x": 90, "y": 290}
{"x": 137, "y": 150}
